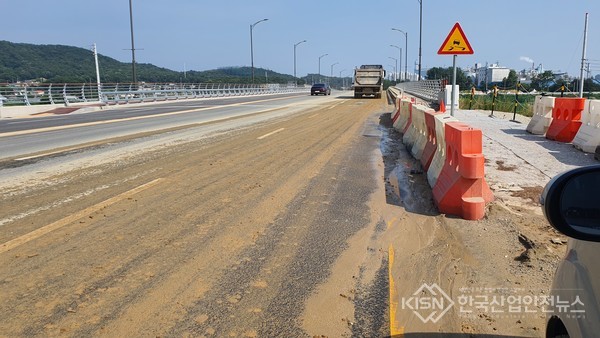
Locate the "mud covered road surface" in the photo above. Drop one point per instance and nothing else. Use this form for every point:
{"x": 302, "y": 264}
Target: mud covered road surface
{"x": 304, "y": 225}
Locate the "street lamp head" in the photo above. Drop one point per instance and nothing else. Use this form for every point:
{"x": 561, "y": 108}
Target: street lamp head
{"x": 296, "y": 44}
{"x": 257, "y": 22}
{"x": 399, "y": 30}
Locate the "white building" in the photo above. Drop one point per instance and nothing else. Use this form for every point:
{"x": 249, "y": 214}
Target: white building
{"x": 493, "y": 73}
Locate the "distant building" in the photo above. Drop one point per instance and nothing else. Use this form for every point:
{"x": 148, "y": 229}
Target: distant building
{"x": 493, "y": 73}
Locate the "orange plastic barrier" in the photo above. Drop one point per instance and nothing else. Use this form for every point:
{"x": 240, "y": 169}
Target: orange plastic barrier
{"x": 566, "y": 119}
{"x": 461, "y": 188}
{"x": 431, "y": 145}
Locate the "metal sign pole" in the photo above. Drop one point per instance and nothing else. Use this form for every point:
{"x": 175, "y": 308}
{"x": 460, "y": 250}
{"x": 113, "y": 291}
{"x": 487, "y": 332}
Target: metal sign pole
{"x": 453, "y": 85}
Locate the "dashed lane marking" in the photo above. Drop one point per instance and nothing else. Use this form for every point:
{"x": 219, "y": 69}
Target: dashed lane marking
{"x": 271, "y": 133}
{"x": 72, "y": 218}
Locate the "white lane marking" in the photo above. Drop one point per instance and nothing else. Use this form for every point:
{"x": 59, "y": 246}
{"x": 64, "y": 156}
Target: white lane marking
{"x": 86, "y": 124}
{"x": 271, "y": 133}
{"x": 72, "y": 218}
{"x": 46, "y": 154}
{"x": 337, "y": 104}
{"x": 17, "y": 122}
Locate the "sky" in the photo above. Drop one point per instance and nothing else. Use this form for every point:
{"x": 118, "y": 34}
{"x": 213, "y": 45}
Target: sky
{"x": 202, "y": 35}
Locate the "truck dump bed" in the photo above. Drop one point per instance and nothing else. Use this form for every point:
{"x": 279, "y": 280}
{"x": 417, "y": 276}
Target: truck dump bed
{"x": 368, "y": 80}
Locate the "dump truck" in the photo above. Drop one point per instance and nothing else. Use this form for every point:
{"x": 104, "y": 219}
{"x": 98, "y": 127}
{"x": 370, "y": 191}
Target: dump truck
{"x": 368, "y": 80}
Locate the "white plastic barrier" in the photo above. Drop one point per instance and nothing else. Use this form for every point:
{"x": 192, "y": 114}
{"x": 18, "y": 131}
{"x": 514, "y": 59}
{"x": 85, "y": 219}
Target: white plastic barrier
{"x": 542, "y": 115}
{"x": 446, "y": 96}
{"x": 588, "y": 136}
{"x": 405, "y": 108}
{"x": 420, "y": 137}
{"x": 439, "y": 158}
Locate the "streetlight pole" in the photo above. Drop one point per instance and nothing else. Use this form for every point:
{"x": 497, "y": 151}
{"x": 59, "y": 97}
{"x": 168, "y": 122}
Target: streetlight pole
{"x": 252, "y": 46}
{"x": 295, "y": 45}
{"x": 343, "y": 80}
{"x": 133, "y": 75}
{"x": 331, "y": 76}
{"x": 405, "y": 52}
{"x": 420, "y": 34}
{"x": 400, "y": 60}
{"x": 395, "y": 68}
{"x": 320, "y": 65}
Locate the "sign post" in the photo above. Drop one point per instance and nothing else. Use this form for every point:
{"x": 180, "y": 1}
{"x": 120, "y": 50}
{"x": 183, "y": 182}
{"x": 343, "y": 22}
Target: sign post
{"x": 456, "y": 43}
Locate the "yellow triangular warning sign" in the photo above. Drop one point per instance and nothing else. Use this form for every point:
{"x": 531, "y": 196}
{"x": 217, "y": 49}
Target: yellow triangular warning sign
{"x": 456, "y": 42}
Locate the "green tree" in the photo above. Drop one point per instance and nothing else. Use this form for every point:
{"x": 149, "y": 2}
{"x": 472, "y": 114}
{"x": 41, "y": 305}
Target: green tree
{"x": 511, "y": 80}
{"x": 542, "y": 81}
{"x": 438, "y": 73}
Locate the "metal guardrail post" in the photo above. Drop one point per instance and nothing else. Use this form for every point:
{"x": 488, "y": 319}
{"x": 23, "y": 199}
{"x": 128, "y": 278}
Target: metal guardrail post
{"x": 25, "y": 98}
{"x": 50, "y": 97}
{"x": 64, "y": 94}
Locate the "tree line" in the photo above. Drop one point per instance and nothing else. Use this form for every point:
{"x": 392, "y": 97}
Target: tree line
{"x": 67, "y": 64}
{"x": 543, "y": 82}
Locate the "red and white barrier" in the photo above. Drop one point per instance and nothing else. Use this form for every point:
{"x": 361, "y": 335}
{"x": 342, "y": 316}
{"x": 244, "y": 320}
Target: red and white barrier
{"x": 420, "y": 135}
{"x": 439, "y": 157}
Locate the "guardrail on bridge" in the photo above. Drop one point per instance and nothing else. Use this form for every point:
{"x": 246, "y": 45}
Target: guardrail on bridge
{"x": 39, "y": 94}
{"x": 427, "y": 90}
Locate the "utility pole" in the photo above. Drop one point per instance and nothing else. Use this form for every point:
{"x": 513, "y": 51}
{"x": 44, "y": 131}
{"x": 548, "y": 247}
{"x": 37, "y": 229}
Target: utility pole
{"x": 583, "y": 56}
{"x": 134, "y": 77}
{"x": 420, "y": 33}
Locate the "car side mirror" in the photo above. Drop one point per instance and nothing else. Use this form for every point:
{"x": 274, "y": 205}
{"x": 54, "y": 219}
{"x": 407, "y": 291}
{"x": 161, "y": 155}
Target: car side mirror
{"x": 571, "y": 203}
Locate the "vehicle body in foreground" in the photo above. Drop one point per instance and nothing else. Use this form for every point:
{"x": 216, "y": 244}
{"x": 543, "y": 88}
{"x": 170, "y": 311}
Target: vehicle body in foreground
{"x": 320, "y": 88}
{"x": 571, "y": 202}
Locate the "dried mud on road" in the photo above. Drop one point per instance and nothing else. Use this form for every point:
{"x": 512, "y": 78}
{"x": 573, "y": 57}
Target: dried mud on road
{"x": 242, "y": 234}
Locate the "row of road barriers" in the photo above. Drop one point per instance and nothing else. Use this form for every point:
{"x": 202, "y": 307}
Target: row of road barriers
{"x": 575, "y": 120}
{"x": 450, "y": 151}
{"x": 68, "y": 94}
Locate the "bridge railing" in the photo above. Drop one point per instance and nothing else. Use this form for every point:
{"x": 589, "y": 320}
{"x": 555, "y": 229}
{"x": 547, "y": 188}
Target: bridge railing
{"x": 427, "y": 90}
{"x": 117, "y": 93}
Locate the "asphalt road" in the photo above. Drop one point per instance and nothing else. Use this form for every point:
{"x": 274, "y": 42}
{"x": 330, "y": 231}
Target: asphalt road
{"x": 247, "y": 219}
{"x": 21, "y": 136}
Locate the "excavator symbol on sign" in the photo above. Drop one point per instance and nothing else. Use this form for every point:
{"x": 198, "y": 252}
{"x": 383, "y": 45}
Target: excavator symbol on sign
{"x": 456, "y": 44}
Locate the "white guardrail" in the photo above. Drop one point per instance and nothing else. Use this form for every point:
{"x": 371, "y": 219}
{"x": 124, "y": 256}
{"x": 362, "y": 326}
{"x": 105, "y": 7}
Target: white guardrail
{"x": 39, "y": 94}
{"x": 427, "y": 90}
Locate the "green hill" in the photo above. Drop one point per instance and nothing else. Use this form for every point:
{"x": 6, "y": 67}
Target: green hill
{"x": 66, "y": 64}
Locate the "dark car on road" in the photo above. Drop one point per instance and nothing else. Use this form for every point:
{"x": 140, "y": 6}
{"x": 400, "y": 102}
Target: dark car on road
{"x": 320, "y": 88}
